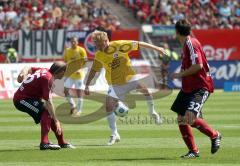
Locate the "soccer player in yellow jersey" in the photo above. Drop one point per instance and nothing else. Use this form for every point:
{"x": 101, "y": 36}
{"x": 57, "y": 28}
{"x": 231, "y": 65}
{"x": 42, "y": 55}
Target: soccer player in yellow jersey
{"x": 71, "y": 55}
{"x": 113, "y": 56}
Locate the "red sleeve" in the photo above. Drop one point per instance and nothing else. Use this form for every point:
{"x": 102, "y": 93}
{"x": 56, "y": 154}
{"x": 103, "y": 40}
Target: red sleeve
{"x": 46, "y": 88}
{"x": 195, "y": 53}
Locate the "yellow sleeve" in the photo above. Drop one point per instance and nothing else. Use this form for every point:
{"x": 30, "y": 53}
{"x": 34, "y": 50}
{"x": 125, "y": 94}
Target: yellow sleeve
{"x": 84, "y": 53}
{"x": 128, "y": 45}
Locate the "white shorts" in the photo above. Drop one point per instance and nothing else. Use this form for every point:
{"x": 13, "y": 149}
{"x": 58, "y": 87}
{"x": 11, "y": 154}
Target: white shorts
{"x": 119, "y": 91}
{"x": 71, "y": 83}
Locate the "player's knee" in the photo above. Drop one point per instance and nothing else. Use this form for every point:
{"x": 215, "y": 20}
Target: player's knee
{"x": 180, "y": 120}
{"x": 190, "y": 117}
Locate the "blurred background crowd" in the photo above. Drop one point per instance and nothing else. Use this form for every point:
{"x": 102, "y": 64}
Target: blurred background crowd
{"x": 55, "y": 14}
{"x": 87, "y": 14}
{"x": 203, "y": 14}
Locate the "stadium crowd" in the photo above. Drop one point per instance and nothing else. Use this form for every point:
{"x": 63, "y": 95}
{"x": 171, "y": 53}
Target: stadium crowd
{"x": 203, "y": 14}
{"x": 55, "y": 14}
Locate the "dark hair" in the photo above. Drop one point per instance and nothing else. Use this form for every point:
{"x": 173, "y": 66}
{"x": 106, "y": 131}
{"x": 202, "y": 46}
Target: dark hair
{"x": 57, "y": 67}
{"x": 183, "y": 27}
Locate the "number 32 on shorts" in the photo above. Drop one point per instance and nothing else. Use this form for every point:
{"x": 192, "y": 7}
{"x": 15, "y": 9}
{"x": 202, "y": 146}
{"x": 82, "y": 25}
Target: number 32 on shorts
{"x": 195, "y": 106}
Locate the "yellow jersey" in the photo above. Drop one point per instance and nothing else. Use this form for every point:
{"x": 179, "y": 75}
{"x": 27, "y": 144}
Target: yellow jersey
{"x": 75, "y": 59}
{"x": 116, "y": 62}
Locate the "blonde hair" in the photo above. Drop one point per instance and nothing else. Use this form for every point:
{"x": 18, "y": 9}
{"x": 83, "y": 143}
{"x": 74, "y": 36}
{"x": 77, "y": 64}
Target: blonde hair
{"x": 99, "y": 36}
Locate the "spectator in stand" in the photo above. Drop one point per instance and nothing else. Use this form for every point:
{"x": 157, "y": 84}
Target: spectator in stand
{"x": 225, "y": 10}
{"x": 144, "y": 10}
{"x": 153, "y": 17}
{"x": 2, "y": 14}
{"x": 237, "y": 11}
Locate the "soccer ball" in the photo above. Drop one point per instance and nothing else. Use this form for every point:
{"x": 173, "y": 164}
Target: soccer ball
{"x": 121, "y": 110}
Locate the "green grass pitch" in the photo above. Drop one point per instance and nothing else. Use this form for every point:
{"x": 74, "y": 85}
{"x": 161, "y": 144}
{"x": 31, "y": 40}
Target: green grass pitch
{"x": 142, "y": 143}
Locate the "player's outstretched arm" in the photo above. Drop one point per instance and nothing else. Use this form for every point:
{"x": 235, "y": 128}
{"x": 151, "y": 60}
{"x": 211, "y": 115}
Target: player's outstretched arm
{"x": 91, "y": 75}
{"x": 23, "y": 74}
{"x": 153, "y": 47}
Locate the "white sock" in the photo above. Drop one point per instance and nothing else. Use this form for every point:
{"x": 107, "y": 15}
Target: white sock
{"x": 71, "y": 102}
{"x": 112, "y": 123}
{"x": 79, "y": 104}
{"x": 150, "y": 104}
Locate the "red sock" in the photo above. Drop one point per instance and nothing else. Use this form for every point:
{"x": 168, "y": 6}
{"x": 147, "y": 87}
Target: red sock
{"x": 202, "y": 126}
{"x": 45, "y": 126}
{"x": 187, "y": 136}
{"x": 59, "y": 137}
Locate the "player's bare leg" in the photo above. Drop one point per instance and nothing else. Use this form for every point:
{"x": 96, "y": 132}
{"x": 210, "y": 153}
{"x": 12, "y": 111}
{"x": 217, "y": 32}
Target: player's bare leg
{"x": 111, "y": 117}
{"x": 149, "y": 99}
{"x": 70, "y": 101}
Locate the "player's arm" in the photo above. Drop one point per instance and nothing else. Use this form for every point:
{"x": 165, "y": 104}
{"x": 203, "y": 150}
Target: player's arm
{"x": 190, "y": 71}
{"x": 46, "y": 85}
{"x": 91, "y": 75}
{"x": 96, "y": 67}
{"x": 23, "y": 74}
{"x": 153, "y": 47}
{"x": 65, "y": 55}
{"x": 50, "y": 107}
{"x": 196, "y": 62}
{"x": 84, "y": 59}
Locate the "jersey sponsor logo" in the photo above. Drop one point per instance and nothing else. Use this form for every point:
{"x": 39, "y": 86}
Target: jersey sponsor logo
{"x": 115, "y": 63}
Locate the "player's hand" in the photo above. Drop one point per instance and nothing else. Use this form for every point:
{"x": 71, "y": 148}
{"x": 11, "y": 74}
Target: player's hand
{"x": 58, "y": 127}
{"x": 86, "y": 91}
{"x": 176, "y": 75}
{"x": 162, "y": 51}
{"x": 20, "y": 78}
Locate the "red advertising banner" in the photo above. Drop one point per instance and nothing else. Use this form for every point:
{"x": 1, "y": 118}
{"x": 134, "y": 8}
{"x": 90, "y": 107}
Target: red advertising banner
{"x": 220, "y": 44}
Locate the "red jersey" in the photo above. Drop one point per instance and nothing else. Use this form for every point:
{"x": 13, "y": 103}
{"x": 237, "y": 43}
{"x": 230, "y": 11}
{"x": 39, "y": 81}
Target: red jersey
{"x": 37, "y": 86}
{"x": 193, "y": 54}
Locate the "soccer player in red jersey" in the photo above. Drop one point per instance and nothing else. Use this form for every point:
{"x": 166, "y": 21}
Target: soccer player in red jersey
{"x": 196, "y": 86}
{"x": 36, "y": 86}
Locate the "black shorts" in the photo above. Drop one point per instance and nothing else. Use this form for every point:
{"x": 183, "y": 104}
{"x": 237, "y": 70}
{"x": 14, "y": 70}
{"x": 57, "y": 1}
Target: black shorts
{"x": 32, "y": 107}
{"x": 190, "y": 101}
